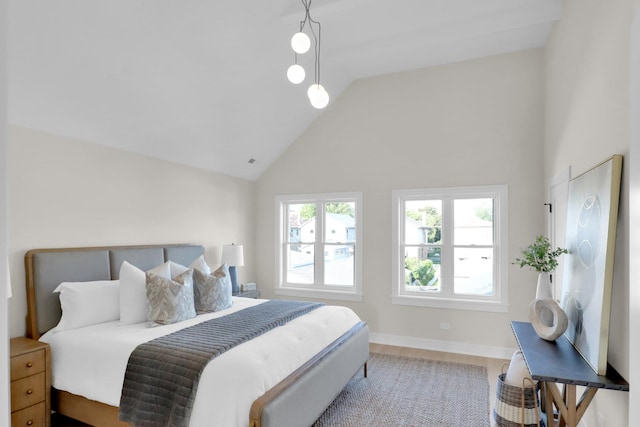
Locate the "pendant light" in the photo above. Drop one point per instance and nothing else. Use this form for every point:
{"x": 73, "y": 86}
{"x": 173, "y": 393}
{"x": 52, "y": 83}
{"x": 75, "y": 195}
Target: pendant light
{"x": 301, "y": 44}
{"x": 296, "y": 74}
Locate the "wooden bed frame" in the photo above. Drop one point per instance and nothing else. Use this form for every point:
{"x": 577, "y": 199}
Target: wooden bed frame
{"x": 298, "y": 400}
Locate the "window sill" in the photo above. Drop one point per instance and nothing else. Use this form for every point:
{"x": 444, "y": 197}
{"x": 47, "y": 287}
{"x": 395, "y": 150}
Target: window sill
{"x": 451, "y": 304}
{"x": 317, "y": 293}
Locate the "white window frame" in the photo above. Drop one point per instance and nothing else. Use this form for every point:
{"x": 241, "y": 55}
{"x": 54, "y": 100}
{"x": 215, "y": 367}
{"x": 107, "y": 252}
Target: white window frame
{"x": 317, "y": 290}
{"x": 498, "y": 302}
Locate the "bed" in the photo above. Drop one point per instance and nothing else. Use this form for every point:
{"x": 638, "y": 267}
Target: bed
{"x": 295, "y": 392}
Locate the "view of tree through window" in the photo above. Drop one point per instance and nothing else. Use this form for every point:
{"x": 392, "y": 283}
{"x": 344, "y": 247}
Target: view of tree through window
{"x": 423, "y": 244}
{"x": 448, "y": 245}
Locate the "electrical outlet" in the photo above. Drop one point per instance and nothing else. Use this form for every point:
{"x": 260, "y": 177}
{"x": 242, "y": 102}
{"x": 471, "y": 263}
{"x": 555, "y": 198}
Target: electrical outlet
{"x": 445, "y": 326}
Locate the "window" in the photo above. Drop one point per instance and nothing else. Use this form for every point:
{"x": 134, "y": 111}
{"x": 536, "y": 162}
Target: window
{"x": 318, "y": 246}
{"x": 450, "y": 247}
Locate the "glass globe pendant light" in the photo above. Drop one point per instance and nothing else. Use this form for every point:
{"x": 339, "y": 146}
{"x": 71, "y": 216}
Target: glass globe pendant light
{"x": 318, "y": 96}
{"x": 301, "y": 43}
{"x": 296, "y": 74}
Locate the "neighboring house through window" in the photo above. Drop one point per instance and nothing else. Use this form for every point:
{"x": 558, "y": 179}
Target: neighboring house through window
{"x": 318, "y": 245}
{"x": 450, "y": 247}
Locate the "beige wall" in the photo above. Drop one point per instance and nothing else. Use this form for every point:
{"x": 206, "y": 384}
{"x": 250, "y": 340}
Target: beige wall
{"x": 65, "y": 193}
{"x": 470, "y": 123}
{"x": 4, "y": 317}
{"x": 587, "y": 120}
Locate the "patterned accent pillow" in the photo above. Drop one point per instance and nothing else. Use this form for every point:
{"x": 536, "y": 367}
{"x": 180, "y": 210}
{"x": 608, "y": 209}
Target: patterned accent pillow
{"x": 212, "y": 291}
{"x": 170, "y": 301}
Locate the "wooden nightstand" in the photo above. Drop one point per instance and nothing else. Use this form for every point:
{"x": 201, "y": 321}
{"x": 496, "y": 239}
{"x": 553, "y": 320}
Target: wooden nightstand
{"x": 30, "y": 383}
{"x": 248, "y": 294}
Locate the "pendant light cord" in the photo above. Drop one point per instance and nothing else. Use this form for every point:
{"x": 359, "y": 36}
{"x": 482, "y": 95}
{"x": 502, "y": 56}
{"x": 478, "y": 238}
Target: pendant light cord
{"x": 316, "y": 38}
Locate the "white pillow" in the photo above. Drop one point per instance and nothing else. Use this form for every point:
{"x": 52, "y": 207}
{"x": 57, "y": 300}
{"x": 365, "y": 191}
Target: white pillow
{"x": 87, "y": 303}
{"x": 175, "y": 269}
{"x": 133, "y": 293}
{"x": 171, "y": 269}
{"x": 201, "y": 264}
{"x": 163, "y": 270}
{"x": 517, "y": 371}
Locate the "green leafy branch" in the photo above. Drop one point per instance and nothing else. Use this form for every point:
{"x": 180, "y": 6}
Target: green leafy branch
{"x": 539, "y": 257}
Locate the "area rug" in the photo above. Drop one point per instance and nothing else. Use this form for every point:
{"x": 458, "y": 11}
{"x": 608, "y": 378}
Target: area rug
{"x": 402, "y": 391}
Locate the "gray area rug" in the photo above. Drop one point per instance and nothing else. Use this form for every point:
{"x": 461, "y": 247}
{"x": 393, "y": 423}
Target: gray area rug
{"x": 402, "y": 391}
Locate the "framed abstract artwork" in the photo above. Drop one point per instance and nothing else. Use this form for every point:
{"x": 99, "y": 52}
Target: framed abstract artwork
{"x": 592, "y": 212}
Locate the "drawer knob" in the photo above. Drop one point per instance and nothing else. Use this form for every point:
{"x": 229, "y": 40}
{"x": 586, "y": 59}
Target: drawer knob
{"x": 29, "y": 391}
{"x": 30, "y": 422}
{"x": 29, "y": 364}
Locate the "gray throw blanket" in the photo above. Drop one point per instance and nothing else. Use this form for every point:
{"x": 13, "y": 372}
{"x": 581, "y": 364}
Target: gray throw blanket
{"x": 162, "y": 375}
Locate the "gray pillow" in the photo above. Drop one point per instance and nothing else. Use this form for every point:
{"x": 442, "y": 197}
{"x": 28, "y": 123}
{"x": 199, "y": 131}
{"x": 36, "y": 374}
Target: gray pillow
{"x": 170, "y": 300}
{"x": 212, "y": 291}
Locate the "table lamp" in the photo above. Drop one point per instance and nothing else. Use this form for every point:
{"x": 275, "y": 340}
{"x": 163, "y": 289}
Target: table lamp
{"x": 233, "y": 256}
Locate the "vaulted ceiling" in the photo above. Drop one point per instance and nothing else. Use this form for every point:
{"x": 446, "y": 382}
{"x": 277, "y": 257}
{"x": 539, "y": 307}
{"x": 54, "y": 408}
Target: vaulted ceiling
{"x": 203, "y": 82}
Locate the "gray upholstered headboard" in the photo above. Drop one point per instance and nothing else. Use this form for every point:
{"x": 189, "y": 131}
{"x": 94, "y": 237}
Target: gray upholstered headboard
{"x": 47, "y": 268}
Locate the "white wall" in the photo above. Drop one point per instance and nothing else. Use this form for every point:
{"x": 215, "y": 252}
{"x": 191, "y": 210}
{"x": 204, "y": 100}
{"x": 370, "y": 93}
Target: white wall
{"x": 4, "y": 327}
{"x": 634, "y": 222}
{"x": 586, "y": 121}
{"x": 66, "y": 193}
{"x": 471, "y": 123}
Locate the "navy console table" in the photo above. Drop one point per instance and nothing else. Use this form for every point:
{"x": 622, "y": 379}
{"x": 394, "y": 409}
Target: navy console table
{"x": 558, "y": 362}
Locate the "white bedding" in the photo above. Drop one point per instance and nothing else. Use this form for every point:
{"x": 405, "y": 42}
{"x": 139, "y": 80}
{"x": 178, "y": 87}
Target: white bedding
{"x": 91, "y": 361}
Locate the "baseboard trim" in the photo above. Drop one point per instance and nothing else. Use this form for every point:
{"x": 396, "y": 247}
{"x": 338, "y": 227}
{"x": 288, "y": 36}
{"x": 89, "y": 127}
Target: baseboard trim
{"x": 438, "y": 345}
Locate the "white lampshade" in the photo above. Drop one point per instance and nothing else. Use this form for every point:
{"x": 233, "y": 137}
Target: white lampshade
{"x": 232, "y": 255}
{"x": 300, "y": 43}
{"x": 318, "y": 96}
{"x": 296, "y": 74}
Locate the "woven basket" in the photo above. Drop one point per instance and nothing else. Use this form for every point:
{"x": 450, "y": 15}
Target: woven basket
{"x": 516, "y": 406}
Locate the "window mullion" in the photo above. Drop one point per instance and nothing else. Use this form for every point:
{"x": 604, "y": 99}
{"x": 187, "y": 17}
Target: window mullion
{"x": 400, "y": 260}
{"x": 319, "y": 245}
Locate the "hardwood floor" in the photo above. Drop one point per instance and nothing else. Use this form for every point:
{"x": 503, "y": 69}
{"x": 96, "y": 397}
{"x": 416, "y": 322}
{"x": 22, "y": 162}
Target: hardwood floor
{"x": 494, "y": 367}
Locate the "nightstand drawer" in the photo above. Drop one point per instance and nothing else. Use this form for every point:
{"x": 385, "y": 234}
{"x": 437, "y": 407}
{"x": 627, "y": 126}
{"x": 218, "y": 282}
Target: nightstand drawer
{"x": 27, "y": 391}
{"x": 33, "y": 416}
{"x": 27, "y": 364}
{"x": 30, "y": 383}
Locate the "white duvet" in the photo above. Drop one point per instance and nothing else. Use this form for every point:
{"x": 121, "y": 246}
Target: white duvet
{"x": 91, "y": 361}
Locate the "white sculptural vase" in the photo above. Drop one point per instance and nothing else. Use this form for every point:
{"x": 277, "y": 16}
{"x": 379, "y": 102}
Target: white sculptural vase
{"x": 547, "y": 318}
{"x": 544, "y": 289}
